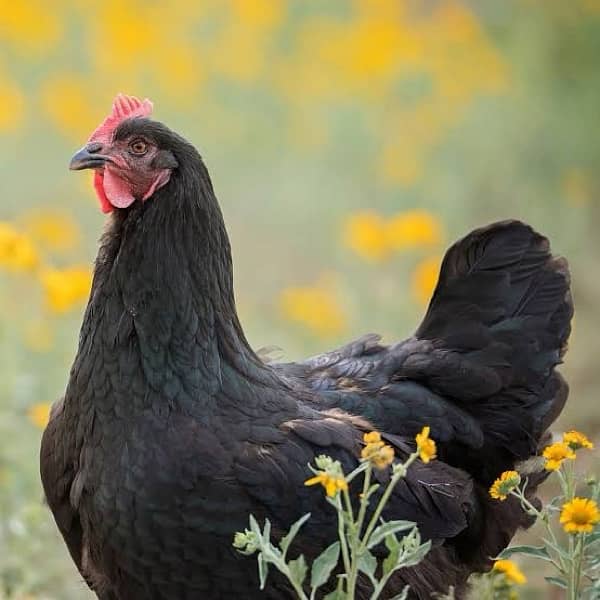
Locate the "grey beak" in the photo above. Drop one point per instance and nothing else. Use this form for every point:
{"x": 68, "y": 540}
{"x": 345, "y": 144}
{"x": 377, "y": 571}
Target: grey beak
{"x": 88, "y": 158}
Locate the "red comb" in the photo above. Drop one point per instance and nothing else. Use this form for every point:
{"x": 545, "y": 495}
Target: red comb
{"x": 124, "y": 107}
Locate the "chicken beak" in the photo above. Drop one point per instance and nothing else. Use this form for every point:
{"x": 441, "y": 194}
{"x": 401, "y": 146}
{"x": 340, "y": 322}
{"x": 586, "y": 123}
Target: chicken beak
{"x": 88, "y": 158}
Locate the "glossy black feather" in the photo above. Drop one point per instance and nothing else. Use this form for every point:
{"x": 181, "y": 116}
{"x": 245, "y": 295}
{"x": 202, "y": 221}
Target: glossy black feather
{"x": 172, "y": 430}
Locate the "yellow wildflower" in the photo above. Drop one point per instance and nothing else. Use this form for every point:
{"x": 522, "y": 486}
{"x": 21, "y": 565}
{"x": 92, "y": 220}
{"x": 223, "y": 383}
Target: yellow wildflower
{"x": 507, "y": 482}
{"x": 511, "y": 571}
{"x": 331, "y": 482}
{"x": 372, "y": 437}
{"x": 579, "y": 515}
{"x": 365, "y": 233}
{"x": 425, "y": 445}
{"x": 555, "y": 454}
{"x": 314, "y": 306}
{"x": 39, "y": 414}
{"x": 413, "y": 229}
{"x": 425, "y": 278}
{"x": 17, "y": 251}
{"x": 52, "y": 230}
{"x": 379, "y": 454}
{"x": 65, "y": 288}
{"x": 577, "y": 440}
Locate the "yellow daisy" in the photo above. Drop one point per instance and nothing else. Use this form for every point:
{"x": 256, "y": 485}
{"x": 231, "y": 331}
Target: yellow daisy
{"x": 507, "y": 482}
{"x": 579, "y": 515}
{"x": 556, "y": 453}
{"x": 332, "y": 483}
{"x": 511, "y": 571}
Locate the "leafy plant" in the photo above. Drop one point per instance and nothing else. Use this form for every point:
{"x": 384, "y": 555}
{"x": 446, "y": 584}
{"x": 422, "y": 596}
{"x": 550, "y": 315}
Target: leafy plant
{"x": 574, "y": 553}
{"x": 359, "y": 531}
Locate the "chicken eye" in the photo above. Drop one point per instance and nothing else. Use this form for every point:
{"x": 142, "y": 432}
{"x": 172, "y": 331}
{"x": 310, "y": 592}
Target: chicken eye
{"x": 138, "y": 147}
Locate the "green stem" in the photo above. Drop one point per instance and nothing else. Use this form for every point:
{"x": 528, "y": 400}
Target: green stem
{"x": 578, "y": 560}
{"x": 355, "y": 541}
{"x": 571, "y": 590}
{"x": 384, "y": 498}
{"x": 342, "y": 535}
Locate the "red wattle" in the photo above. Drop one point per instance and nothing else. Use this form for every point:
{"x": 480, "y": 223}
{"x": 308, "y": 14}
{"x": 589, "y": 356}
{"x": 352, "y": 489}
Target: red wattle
{"x": 105, "y": 204}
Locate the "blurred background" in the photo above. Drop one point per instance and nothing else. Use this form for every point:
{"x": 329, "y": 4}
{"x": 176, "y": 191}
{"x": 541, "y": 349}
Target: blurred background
{"x": 349, "y": 143}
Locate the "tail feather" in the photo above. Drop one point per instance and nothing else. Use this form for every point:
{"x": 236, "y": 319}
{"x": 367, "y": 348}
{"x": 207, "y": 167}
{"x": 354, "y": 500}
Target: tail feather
{"x": 503, "y": 306}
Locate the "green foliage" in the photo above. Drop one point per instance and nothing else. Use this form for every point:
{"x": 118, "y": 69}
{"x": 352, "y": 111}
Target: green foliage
{"x": 360, "y": 529}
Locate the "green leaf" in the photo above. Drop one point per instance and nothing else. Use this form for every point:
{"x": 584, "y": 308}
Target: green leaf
{"x": 254, "y": 526}
{"x": 288, "y": 538}
{"x": 417, "y": 556}
{"x": 367, "y": 563}
{"x": 298, "y": 569}
{"x": 387, "y": 528}
{"x": 324, "y": 564}
{"x": 558, "y": 581}
{"x": 391, "y": 542}
{"x": 592, "y": 538}
{"x": 389, "y": 564}
{"x": 336, "y": 595}
{"x": 535, "y": 551}
{"x": 263, "y": 570}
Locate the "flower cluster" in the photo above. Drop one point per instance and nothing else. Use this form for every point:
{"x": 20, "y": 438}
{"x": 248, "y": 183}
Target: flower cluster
{"x": 375, "y": 238}
{"x": 378, "y": 453}
{"x": 577, "y": 440}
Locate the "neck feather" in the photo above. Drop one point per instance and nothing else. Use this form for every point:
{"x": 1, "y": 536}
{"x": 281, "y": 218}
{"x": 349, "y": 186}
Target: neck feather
{"x": 163, "y": 294}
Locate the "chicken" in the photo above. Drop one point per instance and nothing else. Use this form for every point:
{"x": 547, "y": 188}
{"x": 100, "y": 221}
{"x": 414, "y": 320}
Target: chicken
{"x": 172, "y": 430}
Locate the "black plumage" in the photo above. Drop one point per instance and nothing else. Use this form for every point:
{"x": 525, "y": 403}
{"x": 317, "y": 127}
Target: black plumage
{"x": 172, "y": 430}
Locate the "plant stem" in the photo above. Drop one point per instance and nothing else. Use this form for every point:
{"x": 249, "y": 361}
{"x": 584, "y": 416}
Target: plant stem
{"x": 342, "y": 535}
{"x": 355, "y": 542}
{"x": 571, "y": 590}
{"x": 385, "y": 496}
{"x": 577, "y": 560}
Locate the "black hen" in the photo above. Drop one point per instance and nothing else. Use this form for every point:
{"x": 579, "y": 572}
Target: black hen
{"x": 172, "y": 430}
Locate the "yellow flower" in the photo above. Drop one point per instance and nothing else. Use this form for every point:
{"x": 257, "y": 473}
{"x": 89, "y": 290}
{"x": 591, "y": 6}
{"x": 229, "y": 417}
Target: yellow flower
{"x": 507, "y": 482}
{"x": 30, "y": 26}
{"x": 579, "y": 515}
{"x": 555, "y": 454}
{"x": 39, "y": 414}
{"x": 511, "y": 571}
{"x": 413, "y": 229}
{"x": 17, "y": 252}
{"x": 577, "y": 440}
{"x": 424, "y": 278}
{"x": 65, "y": 288}
{"x": 66, "y": 98}
{"x": 425, "y": 445}
{"x": 332, "y": 483}
{"x": 379, "y": 454}
{"x": 314, "y": 306}
{"x": 365, "y": 233}
{"x": 372, "y": 437}
{"x": 53, "y": 231}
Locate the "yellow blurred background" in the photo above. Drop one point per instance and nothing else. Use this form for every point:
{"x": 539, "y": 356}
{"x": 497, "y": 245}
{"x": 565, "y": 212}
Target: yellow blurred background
{"x": 349, "y": 141}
